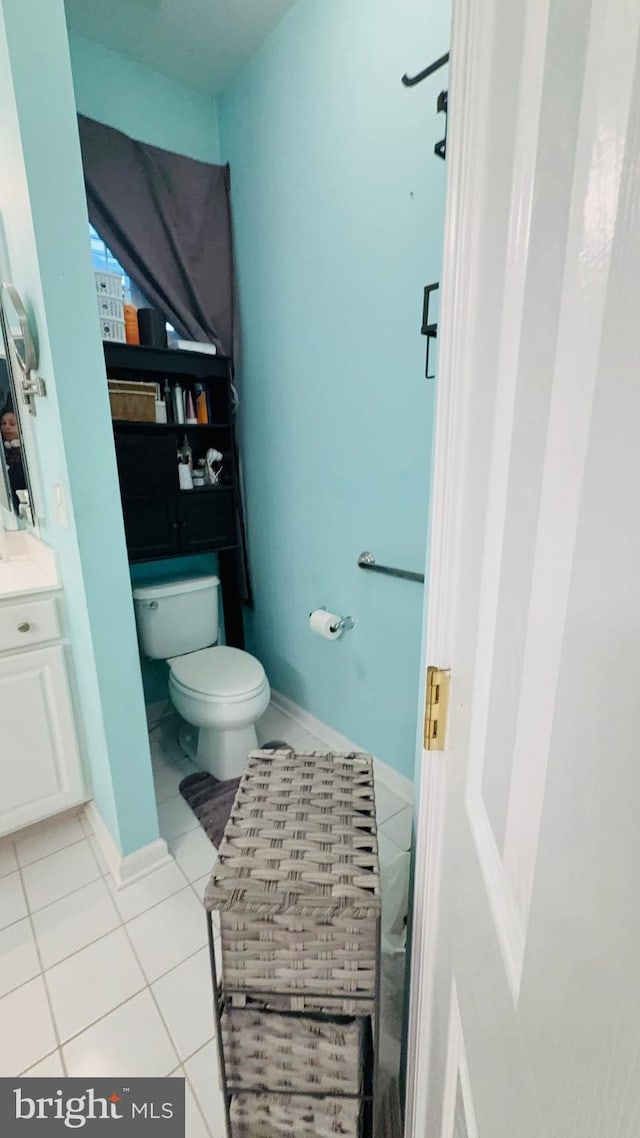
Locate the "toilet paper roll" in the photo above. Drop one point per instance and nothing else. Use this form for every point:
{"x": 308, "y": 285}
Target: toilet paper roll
{"x": 324, "y": 624}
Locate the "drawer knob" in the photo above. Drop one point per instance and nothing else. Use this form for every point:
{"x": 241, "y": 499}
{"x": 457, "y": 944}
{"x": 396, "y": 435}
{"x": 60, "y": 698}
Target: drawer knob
{"x": 24, "y": 626}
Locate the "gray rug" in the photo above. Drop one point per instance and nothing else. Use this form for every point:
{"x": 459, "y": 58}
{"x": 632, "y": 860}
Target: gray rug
{"x": 212, "y": 799}
{"x": 211, "y": 802}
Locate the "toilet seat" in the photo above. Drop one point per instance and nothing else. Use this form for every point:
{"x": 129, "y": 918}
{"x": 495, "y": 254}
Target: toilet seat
{"x": 219, "y": 674}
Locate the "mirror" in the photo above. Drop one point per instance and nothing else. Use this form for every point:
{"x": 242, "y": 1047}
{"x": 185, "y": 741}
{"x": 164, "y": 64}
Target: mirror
{"x": 17, "y": 327}
{"x": 16, "y": 496}
{"x": 20, "y": 345}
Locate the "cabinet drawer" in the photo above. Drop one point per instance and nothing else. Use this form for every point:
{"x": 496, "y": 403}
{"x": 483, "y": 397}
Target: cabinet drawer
{"x": 28, "y": 622}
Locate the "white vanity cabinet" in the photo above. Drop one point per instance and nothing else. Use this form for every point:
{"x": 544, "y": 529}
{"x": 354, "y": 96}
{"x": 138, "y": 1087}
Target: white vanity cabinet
{"x": 40, "y": 767}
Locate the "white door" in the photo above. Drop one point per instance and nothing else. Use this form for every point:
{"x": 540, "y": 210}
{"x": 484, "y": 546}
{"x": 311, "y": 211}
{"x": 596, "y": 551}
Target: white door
{"x": 40, "y": 773}
{"x": 525, "y": 1005}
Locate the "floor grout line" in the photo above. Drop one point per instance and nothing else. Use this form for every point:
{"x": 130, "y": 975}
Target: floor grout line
{"x": 147, "y": 984}
{"x": 122, "y": 923}
{"x": 56, "y": 1051}
{"x": 52, "y": 853}
{"x": 71, "y": 891}
{"x": 181, "y": 1061}
{"x": 199, "y": 1105}
{"x": 44, "y": 982}
{"x": 115, "y": 1008}
{"x": 192, "y": 1085}
{"x": 153, "y": 996}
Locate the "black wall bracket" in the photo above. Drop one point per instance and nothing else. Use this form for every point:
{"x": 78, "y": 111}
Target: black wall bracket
{"x": 440, "y": 148}
{"x": 413, "y": 80}
{"x": 428, "y": 329}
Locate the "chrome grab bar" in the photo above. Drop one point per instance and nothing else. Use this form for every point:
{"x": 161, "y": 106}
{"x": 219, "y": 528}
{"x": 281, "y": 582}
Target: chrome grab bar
{"x": 366, "y": 560}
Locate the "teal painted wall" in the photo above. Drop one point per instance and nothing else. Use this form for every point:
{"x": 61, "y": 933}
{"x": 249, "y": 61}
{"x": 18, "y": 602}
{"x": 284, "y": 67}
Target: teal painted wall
{"x": 45, "y": 241}
{"x": 338, "y": 208}
{"x": 147, "y": 106}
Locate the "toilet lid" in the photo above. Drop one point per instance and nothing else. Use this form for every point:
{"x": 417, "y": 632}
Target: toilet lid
{"x": 224, "y": 673}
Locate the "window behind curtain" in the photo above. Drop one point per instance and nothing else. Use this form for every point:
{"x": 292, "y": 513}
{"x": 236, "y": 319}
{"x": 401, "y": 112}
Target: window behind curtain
{"x": 105, "y": 262}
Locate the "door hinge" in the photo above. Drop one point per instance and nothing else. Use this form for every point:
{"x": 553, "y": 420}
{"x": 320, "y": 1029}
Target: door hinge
{"x": 436, "y": 709}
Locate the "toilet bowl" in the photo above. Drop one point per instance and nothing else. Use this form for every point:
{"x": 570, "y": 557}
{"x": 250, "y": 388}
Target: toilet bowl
{"x": 221, "y": 691}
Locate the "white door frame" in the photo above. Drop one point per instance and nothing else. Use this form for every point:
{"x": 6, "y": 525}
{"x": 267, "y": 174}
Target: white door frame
{"x": 467, "y": 146}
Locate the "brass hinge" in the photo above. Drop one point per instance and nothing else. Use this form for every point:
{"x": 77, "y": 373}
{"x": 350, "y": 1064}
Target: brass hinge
{"x": 436, "y": 709}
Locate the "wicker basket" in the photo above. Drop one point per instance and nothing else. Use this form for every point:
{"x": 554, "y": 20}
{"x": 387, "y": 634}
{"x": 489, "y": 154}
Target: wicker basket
{"x": 294, "y": 1116}
{"x": 296, "y": 883}
{"x": 312, "y": 1055}
{"x": 132, "y": 401}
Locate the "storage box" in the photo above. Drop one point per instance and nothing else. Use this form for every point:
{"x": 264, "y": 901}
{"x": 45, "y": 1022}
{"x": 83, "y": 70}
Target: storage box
{"x": 110, "y": 309}
{"x": 297, "y": 884}
{"x": 109, "y": 284}
{"x": 291, "y": 1052}
{"x": 294, "y": 1116}
{"x": 113, "y": 330}
{"x": 132, "y": 401}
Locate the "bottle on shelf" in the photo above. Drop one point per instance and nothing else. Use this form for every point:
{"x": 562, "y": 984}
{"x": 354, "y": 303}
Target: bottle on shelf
{"x": 168, "y": 402}
{"x": 201, "y": 403}
{"x": 178, "y": 403}
{"x": 189, "y": 409}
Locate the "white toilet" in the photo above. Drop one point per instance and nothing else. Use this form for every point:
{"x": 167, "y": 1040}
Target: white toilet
{"x": 222, "y": 691}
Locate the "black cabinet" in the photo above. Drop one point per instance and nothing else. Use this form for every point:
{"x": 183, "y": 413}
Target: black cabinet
{"x": 206, "y": 520}
{"x": 160, "y": 519}
{"x": 193, "y": 521}
{"x": 150, "y": 528}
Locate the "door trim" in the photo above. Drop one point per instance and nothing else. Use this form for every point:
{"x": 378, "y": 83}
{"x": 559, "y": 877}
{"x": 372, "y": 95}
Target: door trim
{"x": 468, "y": 146}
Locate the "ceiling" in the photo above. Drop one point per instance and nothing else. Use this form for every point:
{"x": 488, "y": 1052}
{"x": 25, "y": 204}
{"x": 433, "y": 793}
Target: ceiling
{"x": 200, "y": 43}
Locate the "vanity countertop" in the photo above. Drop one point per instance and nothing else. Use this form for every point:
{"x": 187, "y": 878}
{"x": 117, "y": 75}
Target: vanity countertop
{"x": 31, "y": 567}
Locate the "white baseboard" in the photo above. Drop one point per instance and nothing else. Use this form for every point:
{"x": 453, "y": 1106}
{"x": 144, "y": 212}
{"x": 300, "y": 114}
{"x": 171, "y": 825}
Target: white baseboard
{"x": 132, "y": 867}
{"x": 397, "y": 783}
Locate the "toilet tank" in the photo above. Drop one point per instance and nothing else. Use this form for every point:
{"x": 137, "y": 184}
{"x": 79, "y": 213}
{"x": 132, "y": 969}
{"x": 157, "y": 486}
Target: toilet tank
{"x": 176, "y": 616}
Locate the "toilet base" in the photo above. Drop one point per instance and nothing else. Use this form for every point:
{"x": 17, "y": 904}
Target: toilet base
{"x": 222, "y": 754}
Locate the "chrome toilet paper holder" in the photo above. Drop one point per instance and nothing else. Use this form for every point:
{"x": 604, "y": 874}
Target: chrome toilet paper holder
{"x": 344, "y": 624}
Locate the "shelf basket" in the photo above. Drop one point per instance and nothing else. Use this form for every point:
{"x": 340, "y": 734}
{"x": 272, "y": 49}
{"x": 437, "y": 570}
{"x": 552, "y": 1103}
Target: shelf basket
{"x": 133, "y": 401}
{"x": 293, "y": 1053}
{"x": 279, "y": 1116}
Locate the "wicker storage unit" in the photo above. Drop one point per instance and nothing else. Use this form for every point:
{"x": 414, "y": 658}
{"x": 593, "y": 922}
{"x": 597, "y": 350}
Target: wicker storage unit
{"x": 296, "y": 881}
{"x": 312, "y": 1055}
{"x": 297, "y": 889}
{"x": 277, "y": 1116}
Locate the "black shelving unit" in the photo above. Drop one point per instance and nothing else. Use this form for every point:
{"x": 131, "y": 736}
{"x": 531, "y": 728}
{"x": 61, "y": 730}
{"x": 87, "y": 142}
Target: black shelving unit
{"x": 162, "y": 521}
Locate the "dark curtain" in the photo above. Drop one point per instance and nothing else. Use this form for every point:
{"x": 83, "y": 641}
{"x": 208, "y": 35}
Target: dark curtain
{"x": 167, "y": 219}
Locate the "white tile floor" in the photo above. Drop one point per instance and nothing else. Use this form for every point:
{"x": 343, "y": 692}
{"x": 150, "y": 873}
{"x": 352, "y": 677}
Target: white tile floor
{"x": 100, "y": 981}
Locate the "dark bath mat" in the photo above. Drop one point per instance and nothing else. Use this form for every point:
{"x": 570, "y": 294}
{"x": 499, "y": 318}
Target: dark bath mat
{"x": 211, "y": 799}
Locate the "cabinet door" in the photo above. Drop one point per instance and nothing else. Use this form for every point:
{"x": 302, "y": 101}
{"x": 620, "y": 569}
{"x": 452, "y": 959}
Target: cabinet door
{"x": 147, "y": 463}
{"x": 151, "y": 527}
{"x": 206, "y": 520}
{"x": 41, "y": 772}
